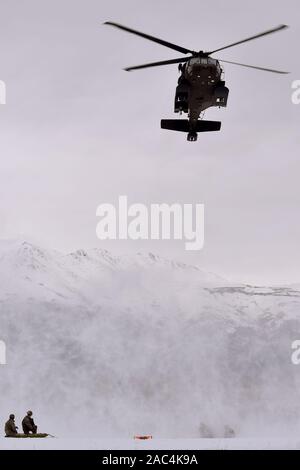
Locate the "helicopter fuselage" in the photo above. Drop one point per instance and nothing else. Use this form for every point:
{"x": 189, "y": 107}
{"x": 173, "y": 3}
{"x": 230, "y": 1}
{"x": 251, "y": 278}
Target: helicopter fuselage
{"x": 200, "y": 86}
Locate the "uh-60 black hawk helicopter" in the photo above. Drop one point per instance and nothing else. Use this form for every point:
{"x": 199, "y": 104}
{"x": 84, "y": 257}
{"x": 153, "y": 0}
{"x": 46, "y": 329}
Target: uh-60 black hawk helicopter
{"x": 200, "y": 85}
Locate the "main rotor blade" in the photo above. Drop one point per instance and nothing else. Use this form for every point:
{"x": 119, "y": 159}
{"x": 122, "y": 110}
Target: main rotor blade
{"x": 156, "y": 64}
{"x": 270, "y": 31}
{"x": 151, "y": 38}
{"x": 253, "y": 67}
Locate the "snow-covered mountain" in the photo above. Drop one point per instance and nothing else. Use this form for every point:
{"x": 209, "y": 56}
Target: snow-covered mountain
{"x": 115, "y": 346}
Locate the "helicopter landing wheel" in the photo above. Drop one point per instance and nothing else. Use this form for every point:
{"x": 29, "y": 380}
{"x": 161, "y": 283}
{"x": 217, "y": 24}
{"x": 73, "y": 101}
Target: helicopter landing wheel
{"x": 192, "y": 136}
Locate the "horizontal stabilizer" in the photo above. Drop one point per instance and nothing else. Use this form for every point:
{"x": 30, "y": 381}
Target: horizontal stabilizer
{"x": 183, "y": 125}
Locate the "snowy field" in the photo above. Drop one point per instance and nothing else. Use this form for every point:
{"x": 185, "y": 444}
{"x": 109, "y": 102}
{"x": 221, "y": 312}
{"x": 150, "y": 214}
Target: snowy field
{"x": 155, "y": 444}
{"x": 115, "y": 347}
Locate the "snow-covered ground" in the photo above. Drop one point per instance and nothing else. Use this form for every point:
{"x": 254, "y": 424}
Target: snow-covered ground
{"x": 102, "y": 347}
{"x": 154, "y": 444}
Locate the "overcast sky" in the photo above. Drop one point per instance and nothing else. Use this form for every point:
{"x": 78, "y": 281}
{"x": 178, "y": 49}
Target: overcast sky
{"x": 78, "y": 131}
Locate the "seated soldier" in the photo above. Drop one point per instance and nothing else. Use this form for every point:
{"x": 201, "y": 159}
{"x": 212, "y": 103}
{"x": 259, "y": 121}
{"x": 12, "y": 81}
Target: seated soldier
{"x": 10, "y": 427}
{"x": 28, "y": 424}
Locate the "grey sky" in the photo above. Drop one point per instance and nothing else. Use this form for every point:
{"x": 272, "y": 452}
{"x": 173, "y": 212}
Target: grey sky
{"x": 78, "y": 131}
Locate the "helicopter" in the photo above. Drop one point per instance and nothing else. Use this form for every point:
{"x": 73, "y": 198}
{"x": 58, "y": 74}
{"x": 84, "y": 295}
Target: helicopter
{"x": 200, "y": 85}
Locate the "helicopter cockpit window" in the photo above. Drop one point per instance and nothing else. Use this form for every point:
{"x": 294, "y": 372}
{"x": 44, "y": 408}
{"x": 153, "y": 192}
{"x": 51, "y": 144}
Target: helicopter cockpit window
{"x": 198, "y": 62}
{"x": 212, "y": 61}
